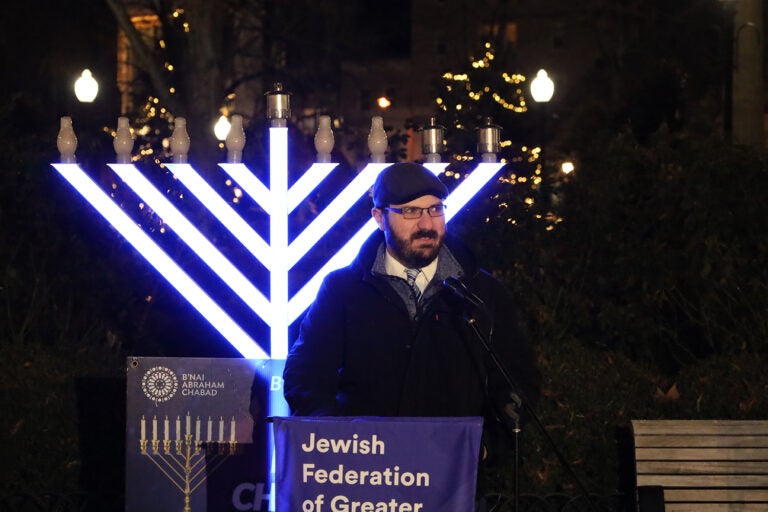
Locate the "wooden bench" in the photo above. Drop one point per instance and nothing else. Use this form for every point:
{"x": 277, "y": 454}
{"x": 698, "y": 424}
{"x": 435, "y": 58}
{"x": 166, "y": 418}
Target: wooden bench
{"x": 701, "y": 465}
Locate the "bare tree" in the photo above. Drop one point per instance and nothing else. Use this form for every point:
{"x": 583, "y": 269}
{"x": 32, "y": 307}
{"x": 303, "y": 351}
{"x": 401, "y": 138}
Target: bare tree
{"x": 203, "y": 56}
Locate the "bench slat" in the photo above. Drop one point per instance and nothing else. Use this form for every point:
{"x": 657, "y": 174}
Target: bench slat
{"x": 703, "y": 427}
{"x": 701, "y": 454}
{"x": 708, "y": 495}
{"x": 716, "y": 507}
{"x": 702, "y": 467}
{"x": 695, "y": 441}
{"x": 734, "y": 481}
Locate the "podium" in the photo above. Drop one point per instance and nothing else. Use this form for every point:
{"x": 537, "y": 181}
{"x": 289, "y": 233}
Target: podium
{"x": 376, "y": 464}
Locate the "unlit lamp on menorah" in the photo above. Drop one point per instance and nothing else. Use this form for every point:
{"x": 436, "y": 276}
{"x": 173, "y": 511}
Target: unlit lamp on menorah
{"x": 187, "y": 459}
{"x": 66, "y": 141}
{"x": 488, "y": 141}
{"x": 235, "y": 140}
{"x": 123, "y": 142}
{"x": 377, "y": 140}
{"x": 433, "y": 141}
{"x": 324, "y": 140}
{"x": 180, "y": 141}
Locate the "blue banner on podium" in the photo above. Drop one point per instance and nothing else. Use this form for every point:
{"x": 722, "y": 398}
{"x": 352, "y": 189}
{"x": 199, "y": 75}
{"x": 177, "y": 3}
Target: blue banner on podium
{"x": 326, "y": 464}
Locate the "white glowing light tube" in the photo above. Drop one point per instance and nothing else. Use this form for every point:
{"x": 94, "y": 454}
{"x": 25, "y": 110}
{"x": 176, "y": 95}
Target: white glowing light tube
{"x": 250, "y": 239}
{"x": 436, "y": 168}
{"x": 278, "y": 241}
{"x": 344, "y": 256}
{"x": 333, "y": 212}
{"x": 217, "y": 262}
{"x": 211, "y": 311}
{"x": 469, "y": 187}
{"x": 307, "y": 183}
{"x": 250, "y": 184}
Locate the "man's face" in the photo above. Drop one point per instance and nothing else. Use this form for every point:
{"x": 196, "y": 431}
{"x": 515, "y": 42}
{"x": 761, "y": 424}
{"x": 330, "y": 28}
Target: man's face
{"x": 412, "y": 242}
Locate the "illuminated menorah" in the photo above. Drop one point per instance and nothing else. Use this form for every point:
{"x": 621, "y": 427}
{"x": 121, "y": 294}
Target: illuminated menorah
{"x": 187, "y": 461}
{"x": 278, "y": 256}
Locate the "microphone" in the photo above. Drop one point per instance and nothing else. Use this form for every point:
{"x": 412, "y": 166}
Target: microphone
{"x": 460, "y": 290}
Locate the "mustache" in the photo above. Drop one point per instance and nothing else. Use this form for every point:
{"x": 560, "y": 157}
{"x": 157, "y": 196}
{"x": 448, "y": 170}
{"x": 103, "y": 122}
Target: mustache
{"x": 424, "y": 233}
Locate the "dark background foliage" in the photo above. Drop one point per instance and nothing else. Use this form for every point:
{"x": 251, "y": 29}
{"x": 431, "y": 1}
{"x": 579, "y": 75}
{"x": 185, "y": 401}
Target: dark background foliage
{"x": 644, "y": 295}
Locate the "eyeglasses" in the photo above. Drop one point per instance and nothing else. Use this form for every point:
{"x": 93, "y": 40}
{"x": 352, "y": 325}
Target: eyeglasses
{"x": 414, "y": 212}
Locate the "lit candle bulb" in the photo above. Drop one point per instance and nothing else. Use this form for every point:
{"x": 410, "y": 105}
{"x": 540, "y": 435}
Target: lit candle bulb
{"x": 210, "y": 429}
{"x": 167, "y": 430}
{"x": 143, "y": 428}
{"x": 221, "y": 429}
{"x": 232, "y": 431}
{"x": 154, "y": 428}
{"x": 178, "y": 428}
{"x": 197, "y": 429}
{"x": 189, "y": 424}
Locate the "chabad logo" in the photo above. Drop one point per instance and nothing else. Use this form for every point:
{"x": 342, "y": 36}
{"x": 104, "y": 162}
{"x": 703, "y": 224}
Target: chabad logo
{"x": 159, "y": 384}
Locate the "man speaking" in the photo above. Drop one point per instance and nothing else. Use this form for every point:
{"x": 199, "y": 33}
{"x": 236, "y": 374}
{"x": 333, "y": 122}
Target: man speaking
{"x": 388, "y": 335}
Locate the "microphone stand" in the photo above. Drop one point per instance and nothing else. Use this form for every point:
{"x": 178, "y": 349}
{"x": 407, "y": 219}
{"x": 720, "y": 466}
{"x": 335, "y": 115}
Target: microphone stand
{"x": 472, "y": 323}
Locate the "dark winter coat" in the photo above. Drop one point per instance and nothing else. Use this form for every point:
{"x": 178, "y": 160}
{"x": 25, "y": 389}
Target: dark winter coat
{"x": 360, "y": 352}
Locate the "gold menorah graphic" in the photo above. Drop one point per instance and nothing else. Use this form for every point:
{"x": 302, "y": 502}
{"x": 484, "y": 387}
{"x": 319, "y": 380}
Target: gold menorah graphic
{"x": 187, "y": 460}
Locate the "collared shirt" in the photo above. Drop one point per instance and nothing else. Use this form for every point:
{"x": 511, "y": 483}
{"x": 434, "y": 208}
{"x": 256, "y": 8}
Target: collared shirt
{"x": 397, "y": 269}
{"x": 444, "y": 266}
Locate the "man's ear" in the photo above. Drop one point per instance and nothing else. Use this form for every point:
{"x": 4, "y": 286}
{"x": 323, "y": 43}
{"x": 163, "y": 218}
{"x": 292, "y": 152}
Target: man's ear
{"x": 378, "y": 216}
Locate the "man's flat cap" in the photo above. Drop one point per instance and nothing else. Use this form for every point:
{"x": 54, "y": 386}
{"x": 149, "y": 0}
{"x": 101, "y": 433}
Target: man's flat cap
{"x": 405, "y": 181}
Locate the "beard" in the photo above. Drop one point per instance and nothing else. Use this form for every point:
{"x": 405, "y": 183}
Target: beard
{"x": 411, "y": 251}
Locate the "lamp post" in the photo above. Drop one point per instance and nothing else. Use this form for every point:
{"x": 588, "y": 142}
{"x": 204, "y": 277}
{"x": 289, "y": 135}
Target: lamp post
{"x": 86, "y": 115}
{"x": 542, "y": 90}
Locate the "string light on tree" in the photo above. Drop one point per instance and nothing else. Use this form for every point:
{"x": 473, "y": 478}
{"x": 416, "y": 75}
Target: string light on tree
{"x": 484, "y": 88}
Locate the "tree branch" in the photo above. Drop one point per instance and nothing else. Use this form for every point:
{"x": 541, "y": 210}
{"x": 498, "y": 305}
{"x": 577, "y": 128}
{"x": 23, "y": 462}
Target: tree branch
{"x": 143, "y": 54}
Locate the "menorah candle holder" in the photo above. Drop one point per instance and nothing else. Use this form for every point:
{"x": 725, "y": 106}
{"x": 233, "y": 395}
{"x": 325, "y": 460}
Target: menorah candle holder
{"x": 187, "y": 460}
{"x": 279, "y": 256}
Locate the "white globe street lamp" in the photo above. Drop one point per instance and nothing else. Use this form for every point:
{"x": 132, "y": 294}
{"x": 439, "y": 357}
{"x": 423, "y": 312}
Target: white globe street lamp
{"x": 542, "y": 87}
{"x": 221, "y": 128}
{"x": 86, "y": 87}
{"x": 542, "y": 90}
